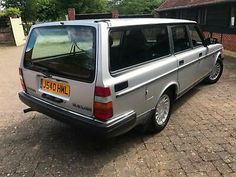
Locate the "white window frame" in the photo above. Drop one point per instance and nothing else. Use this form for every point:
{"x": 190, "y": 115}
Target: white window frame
{"x": 233, "y": 17}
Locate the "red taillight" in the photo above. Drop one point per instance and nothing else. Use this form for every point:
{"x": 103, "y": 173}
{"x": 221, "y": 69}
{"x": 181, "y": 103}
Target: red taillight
{"x": 103, "y": 108}
{"x": 22, "y": 79}
{"x": 102, "y": 92}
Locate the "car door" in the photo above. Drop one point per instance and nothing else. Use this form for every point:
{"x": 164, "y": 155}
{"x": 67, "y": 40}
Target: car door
{"x": 187, "y": 58}
{"x": 197, "y": 40}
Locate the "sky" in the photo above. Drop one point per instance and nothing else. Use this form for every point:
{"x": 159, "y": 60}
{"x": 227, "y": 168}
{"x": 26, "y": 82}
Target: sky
{"x": 1, "y": 7}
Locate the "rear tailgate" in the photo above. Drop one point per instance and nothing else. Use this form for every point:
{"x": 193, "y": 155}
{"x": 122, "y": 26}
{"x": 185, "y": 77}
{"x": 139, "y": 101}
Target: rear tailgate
{"x": 60, "y": 66}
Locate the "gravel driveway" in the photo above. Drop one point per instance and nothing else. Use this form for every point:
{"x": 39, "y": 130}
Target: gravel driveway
{"x": 200, "y": 139}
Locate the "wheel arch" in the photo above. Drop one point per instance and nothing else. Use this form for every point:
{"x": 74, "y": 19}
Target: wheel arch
{"x": 173, "y": 87}
{"x": 219, "y": 55}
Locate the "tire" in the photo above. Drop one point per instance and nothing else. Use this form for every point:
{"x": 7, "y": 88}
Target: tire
{"x": 159, "y": 118}
{"x": 216, "y": 73}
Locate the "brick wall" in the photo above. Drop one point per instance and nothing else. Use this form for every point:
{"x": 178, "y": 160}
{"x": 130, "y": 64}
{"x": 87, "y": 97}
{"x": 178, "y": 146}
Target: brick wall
{"x": 6, "y": 36}
{"x": 71, "y": 13}
{"x": 228, "y": 40}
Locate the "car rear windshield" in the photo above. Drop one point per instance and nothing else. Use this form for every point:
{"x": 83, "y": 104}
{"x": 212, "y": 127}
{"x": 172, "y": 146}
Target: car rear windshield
{"x": 67, "y": 51}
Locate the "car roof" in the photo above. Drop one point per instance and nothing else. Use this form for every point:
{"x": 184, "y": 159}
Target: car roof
{"x": 145, "y": 21}
{"x": 119, "y": 22}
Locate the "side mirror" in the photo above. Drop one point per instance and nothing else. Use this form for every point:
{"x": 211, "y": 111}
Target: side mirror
{"x": 209, "y": 41}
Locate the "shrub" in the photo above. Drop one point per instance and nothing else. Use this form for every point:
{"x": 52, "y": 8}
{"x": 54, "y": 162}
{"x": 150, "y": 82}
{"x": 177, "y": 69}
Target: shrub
{"x": 2, "y": 14}
{"x": 12, "y": 12}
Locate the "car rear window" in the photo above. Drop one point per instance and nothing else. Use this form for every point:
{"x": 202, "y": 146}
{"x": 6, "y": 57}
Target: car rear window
{"x": 67, "y": 51}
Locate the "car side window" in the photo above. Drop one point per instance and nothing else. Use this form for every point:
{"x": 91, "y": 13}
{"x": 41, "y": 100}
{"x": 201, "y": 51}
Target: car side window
{"x": 195, "y": 35}
{"x": 115, "y": 39}
{"x": 137, "y": 45}
{"x": 180, "y": 38}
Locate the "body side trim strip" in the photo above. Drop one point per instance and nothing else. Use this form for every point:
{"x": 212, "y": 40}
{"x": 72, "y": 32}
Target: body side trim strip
{"x": 144, "y": 83}
{"x": 159, "y": 77}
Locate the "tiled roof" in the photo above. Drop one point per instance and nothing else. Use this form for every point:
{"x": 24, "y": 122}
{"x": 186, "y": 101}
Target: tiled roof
{"x": 179, "y": 4}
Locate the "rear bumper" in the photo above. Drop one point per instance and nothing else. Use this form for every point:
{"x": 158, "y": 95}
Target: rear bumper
{"x": 111, "y": 128}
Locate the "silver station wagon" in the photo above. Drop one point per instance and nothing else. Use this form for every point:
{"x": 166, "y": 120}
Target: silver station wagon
{"x": 109, "y": 75}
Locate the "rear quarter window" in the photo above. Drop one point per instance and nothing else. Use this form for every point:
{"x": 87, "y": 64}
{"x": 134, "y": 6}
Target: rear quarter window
{"x": 136, "y": 45}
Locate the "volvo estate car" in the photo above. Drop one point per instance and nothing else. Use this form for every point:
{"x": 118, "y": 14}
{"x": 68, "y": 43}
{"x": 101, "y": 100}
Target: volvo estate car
{"x": 109, "y": 75}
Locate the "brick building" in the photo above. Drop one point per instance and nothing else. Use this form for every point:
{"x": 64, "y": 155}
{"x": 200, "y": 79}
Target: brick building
{"x": 216, "y": 17}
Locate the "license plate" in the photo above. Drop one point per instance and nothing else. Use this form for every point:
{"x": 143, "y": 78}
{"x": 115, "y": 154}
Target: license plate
{"x": 58, "y": 88}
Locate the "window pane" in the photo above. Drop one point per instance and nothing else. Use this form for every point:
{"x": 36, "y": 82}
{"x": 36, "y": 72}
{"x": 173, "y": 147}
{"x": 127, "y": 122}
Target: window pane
{"x": 57, "y": 41}
{"x": 233, "y": 16}
{"x": 195, "y": 36}
{"x": 137, "y": 45}
{"x": 64, "y": 50}
{"x": 115, "y": 39}
{"x": 180, "y": 38}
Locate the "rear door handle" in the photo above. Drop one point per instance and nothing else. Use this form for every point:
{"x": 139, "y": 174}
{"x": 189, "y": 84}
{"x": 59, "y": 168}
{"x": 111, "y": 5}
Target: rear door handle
{"x": 181, "y": 62}
{"x": 200, "y": 54}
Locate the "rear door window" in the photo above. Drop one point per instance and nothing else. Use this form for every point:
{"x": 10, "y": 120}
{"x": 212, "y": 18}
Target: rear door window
{"x": 180, "y": 38}
{"x": 67, "y": 51}
{"x": 136, "y": 45}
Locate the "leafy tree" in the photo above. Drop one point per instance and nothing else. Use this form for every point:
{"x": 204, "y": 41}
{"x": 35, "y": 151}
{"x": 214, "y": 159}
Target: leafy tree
{"x": 27, "y": 7}
{"x": 135, "y": 6}
{"x": 46, "y": 10}
{"x": 83, "y": 6}
{"x": 49, "y": 10}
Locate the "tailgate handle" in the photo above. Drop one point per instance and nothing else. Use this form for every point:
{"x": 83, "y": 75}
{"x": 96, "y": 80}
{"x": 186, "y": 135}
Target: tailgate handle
{"x": 200, "y": 54}
{"x": 52, "y": 98}
{"x": 121, "y": 86}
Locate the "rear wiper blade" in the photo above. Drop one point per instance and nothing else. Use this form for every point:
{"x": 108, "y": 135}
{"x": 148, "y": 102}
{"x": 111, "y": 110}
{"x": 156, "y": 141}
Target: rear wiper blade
{"x": 40, "y": 68}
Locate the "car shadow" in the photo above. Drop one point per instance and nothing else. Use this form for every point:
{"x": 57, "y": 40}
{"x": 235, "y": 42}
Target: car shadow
{"x": 183, "y": 100}
{"x": 45, "y": 146}
{"x": 51, "y": 147}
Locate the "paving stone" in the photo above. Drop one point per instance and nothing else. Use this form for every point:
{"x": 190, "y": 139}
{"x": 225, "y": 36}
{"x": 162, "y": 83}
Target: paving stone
{"x": 233, "y": 166}
{"x": 200, "y": 139}
{"x": 226, "y": 157}
{"x": 198, "y": 174}
{"x": 209, "y": 156}
{"x": 228, "y": 147}
{"x": 204, "y": 166}
{"x": 222, "y": 167}
{"x": 230, "y": 175}
{"x": 187, "y": 166}
{"x": 214, "y": 173}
